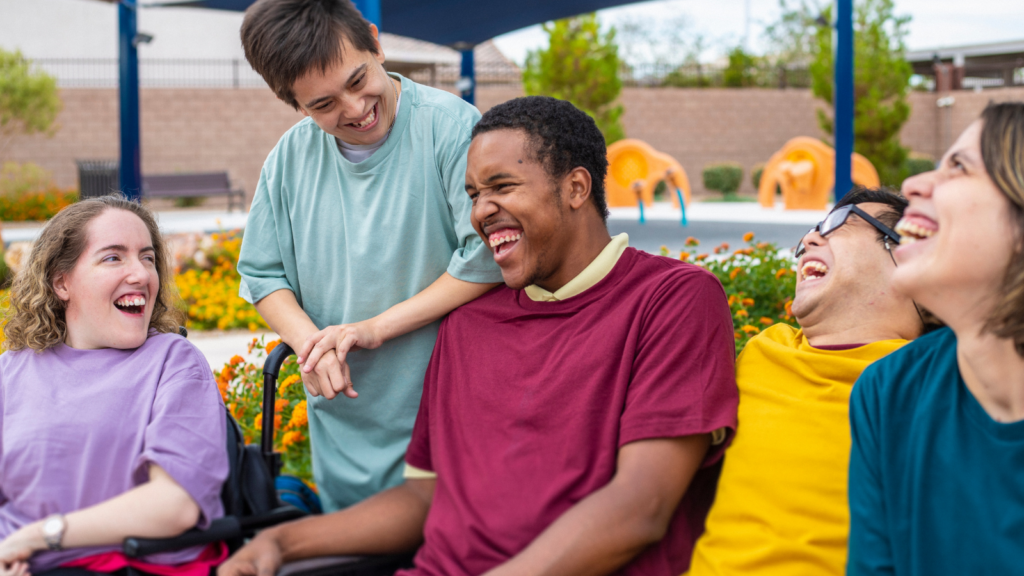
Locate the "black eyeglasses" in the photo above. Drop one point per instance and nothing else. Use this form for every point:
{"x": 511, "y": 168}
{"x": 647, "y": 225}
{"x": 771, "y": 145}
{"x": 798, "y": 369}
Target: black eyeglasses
{"x": 837, "y": 218}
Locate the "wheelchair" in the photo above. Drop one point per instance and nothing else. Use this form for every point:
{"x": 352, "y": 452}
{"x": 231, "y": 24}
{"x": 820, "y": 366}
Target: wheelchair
{"x": 252, "y": 502}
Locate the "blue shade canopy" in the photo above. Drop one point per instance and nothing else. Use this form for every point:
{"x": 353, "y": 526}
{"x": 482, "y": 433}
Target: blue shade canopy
{"x": 450, "y": 22}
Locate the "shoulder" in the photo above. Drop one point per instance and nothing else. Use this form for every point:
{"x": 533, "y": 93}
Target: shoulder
{"x": 497, "y": 299}
{"x": 180, "y": 358}
{"x": 773, "y": 336}
{"x": 659, "y": 275}
{"x": 297, "y": 140}
{"x": 443, "y": 109}
{"x": 904, "y": 376}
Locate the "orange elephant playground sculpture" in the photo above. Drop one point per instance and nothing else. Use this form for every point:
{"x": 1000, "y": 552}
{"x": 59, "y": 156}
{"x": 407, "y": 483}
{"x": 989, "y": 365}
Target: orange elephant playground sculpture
{"x": 635, "y": 164}
{"x": 805, "y": 171}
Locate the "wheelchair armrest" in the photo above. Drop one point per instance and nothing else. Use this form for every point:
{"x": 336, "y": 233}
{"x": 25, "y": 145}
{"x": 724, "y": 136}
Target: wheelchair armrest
{"x": 278, "y": 515}
{"x": 226, "y": 528}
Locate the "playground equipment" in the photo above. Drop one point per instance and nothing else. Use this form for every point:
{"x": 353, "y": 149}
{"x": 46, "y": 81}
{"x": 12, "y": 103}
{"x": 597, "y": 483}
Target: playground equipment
{"x": 805, "y": 171}
{"x": 631, "y": 161}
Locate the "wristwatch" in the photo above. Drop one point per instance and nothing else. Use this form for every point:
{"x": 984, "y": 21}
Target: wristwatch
{"x": 53, "y": 530}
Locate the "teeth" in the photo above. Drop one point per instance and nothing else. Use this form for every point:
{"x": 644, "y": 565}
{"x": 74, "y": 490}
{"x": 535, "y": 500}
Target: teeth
{"x": 131, "y": 301}
{"x": 910, "y": 232}
{"x": 815, "y": 266}
{"x": 369, "y": 119}
{"x": 503, "y": 239}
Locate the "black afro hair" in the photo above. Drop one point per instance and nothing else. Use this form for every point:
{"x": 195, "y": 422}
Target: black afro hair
{"x": 562, "y": 136}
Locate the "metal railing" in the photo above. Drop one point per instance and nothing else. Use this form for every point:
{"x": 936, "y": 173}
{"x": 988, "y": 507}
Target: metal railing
{"x": 153, "y": 73}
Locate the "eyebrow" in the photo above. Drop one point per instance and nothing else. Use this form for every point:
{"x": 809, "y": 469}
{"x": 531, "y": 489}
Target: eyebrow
{"x": 493, "y": 178}
{"x": 351, "y": 77}
{"x": 122, "y": 248}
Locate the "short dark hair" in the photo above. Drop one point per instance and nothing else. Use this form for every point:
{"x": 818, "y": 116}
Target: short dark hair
{"x": 895, "y": 202}
{"x": 562, "y": 136}
{"x": 285, "y": 39}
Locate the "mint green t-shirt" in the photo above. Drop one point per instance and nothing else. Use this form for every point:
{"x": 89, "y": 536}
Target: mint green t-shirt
{"x": 352, "y": 240}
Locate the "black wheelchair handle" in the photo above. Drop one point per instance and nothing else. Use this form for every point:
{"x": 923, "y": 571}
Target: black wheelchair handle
{"x": 271, "y": 370}
{"x": 226, "y": 528}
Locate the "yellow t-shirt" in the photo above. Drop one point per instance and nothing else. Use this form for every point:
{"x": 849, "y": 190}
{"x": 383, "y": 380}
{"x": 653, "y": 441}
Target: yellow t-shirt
{"x": 781, "y": 505}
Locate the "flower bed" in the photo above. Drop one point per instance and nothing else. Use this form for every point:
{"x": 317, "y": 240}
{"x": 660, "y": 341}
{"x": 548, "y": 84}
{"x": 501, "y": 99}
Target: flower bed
{"x": 207, "y": 279}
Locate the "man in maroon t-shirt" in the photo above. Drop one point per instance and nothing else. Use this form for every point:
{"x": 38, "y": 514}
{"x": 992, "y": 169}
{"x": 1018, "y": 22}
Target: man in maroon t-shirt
{"x": 572, "y": 420}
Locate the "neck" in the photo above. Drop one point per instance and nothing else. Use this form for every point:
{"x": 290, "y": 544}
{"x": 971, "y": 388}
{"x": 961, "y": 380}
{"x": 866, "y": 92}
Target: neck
{"x": 587, "y": 242}
{"x": 992, "y": 371}
{"x": 839, "y": 331}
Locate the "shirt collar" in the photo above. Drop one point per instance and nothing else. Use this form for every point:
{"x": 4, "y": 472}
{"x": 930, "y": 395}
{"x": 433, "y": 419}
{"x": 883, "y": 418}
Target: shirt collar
{"x": 592, "y": 274}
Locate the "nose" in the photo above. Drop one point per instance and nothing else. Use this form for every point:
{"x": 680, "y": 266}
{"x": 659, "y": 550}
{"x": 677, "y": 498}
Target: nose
{"x": 483, "y": 210}
{"x": 139, "y": 272}
{"x": 814, "y": 238}
{"x": 920, "y": 186}
{"x": 351, "y": 109}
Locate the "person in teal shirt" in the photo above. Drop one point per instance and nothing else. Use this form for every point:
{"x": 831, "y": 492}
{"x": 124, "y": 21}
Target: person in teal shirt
{"x": 359, "y": 237}
{"x": 937, "y": 467}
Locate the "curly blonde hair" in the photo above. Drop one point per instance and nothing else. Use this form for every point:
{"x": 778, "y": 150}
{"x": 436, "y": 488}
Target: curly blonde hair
{"x": 36, "y": 319}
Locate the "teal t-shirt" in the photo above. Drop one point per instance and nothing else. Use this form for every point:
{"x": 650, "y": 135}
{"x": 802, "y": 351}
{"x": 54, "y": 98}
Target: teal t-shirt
{"x": 936, "y": 485}
{"x": 352, "y": 240}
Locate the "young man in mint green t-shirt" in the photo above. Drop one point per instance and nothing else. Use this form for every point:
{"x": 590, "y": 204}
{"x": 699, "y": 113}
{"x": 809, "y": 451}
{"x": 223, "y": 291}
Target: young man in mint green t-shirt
{"x": 359, "y": 236}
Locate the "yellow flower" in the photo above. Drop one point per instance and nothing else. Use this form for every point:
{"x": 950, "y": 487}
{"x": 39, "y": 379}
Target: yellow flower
{"x": 258, "y": 421}
{"x": 749, "y": 329}
{"x": 287, "y": 382}
{"x": 748, "y": 236}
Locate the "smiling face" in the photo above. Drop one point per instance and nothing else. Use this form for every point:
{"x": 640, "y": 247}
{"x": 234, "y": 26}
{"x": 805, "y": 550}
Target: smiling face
{"x": 958, "y": 235}
{"x": 517, "y": 209}
{"x": 847, "y": 272}
{"x": 353, "y": 100}
{"x": 112, "y": 289}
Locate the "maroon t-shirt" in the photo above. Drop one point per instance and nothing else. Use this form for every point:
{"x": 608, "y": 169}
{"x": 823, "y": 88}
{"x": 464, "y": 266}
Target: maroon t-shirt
{"x": 526, "y": 404}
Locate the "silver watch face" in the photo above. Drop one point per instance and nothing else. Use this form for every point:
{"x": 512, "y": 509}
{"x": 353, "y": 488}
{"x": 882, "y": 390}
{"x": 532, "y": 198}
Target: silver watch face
{"x": 53, "y": 527}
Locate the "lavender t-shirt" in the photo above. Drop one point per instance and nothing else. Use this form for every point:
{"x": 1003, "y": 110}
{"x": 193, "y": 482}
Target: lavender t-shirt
{"x": 78, "y": 427}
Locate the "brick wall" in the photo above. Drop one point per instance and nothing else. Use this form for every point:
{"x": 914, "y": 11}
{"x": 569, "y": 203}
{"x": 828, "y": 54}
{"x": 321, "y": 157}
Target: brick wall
{"x": 234, "y": 130}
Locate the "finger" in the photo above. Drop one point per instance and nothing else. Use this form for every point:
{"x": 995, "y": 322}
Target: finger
{"x": 323, "y": 373}
{"x": 266, "y": 568}
{"x": 346, "y": 372}
{"x": 337, "y": 380}
{"x": 346, "y": 344}
{"x": 311, "y": 341}
{"x": 311, "y": 383}
{"x": 318, "y": 351}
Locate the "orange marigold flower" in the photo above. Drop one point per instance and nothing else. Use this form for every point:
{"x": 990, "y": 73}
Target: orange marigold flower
{"x": 766, "y": 321}
{"x": 258, "y": 421}
{"x": 252, "y": 345}
{"x": 292, "y": 437}
{"x": 763, "y": 245}
{"x": 747, "y": 301}
{"x": 782, "y": 272}
{"x": 737, "y": 335}
{"x": 236, "y": 360}
{"x": 684, "y": 256}
{"x": 733, "y": 299}
{"x": 735, "y": 272}
{"x": 299, "y": 416}
{"x": 227, "y": 373}
{"x": 789, "y": 307}
{"x": 691, "y": 241}
{"x": 750, "y": 329}
{"x": 725, "y": 246}
{"x": 271, "y": 345}
{"x": 280, "y": 404}
{"x": 701, "y": 256}
{"x": 287, "y": 382}
{"x": 748, "y": 236}
{"x": 742, "y": 314}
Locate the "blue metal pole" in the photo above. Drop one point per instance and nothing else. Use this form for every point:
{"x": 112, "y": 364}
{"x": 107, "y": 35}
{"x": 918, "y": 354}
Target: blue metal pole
{"x": 131, "y": 163}
{"x": 843, "y": 98}
{"x": 467, "y": 81}
{"x": 370, "y": 10}
{"x": 682, "y": 204}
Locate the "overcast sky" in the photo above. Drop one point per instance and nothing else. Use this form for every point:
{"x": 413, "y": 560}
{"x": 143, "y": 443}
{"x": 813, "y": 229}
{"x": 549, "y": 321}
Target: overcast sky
{"x": 935, "y": 22}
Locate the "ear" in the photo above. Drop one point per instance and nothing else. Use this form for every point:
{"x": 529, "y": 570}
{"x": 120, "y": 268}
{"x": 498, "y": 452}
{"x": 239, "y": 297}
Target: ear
{"x": 60, "y": 286}
{"x": 379, "y": 56}
{"x": 579, "y": 183}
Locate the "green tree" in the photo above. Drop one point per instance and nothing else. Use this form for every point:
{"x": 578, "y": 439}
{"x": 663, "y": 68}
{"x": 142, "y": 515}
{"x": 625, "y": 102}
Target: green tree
{"x": 742, "y": 69}
{"x": 581, "y": 65}
{"x": 881, "y": 82}
{"x": 28, "y": 99}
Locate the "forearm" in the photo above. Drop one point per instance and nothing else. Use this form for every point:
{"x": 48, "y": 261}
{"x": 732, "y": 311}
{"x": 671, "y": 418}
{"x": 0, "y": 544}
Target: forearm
{"x": 435, "y": 301}
{"x": 389, "y": 522}
{"x": 152, "y": 510}
{"x": 283, "y": 314}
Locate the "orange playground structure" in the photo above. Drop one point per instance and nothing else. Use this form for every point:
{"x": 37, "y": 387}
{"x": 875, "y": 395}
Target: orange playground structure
{"x": 805, "y": 171}
{"x": 632, "y": 164}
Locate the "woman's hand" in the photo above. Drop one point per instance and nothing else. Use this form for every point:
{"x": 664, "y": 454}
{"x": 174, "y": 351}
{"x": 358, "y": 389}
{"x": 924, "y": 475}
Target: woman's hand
{"x": 323, "y": 356}
{"x": 19, "y": 546}
{"x": 15, "y": 569}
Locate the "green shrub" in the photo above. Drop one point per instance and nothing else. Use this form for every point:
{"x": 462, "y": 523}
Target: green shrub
{"x": 725, "y": 177}
{"x": 755, "y": 175}
{"x": 18, "y": 179}
{"x": 917, "y": 165}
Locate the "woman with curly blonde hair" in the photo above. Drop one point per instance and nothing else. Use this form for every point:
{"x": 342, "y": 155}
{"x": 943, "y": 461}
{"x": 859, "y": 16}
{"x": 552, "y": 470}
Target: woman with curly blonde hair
{"x": 112, "y": 422}
{"x": 938, "y": 427}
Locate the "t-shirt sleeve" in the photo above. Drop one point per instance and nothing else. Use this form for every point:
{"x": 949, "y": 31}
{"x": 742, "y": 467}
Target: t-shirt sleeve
{"x": 472, "y": 260}
{"x": 186, "y": 434}
{"x": 683, "y": 381}
{"x": 261, "y": 263}
{"x": 870, "y": 550}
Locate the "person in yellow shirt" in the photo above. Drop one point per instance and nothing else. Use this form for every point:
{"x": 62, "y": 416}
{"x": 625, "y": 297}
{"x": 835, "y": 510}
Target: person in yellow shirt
{"x": 781, "y": 506}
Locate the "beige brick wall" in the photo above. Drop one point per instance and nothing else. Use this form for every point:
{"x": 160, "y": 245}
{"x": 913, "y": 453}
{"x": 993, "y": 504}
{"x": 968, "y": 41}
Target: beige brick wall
{"x": 234, "y": 130}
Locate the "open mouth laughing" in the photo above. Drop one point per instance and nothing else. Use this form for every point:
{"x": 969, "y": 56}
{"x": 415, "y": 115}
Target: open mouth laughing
{"x": 813, "y": 270}
{"x": 367, "y": 122}
{"x": 915, "y": 229}
{"x": 503, "y": 241}
{"x": 131, "y": 304}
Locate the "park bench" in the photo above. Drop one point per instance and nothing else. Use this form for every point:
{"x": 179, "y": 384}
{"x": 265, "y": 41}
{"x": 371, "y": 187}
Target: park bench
{"x": 192, "y": 185}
